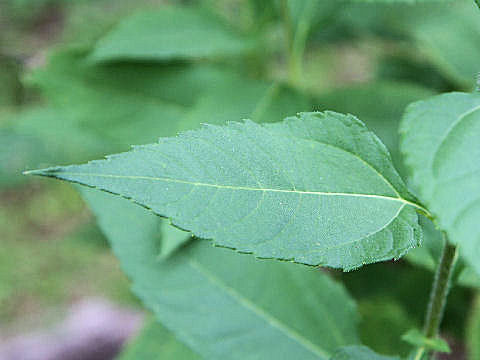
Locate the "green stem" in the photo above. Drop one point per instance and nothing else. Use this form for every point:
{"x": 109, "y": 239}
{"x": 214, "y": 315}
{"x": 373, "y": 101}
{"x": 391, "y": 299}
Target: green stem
{"x": 440, "y": 289}
{"x": 296, "y": 35}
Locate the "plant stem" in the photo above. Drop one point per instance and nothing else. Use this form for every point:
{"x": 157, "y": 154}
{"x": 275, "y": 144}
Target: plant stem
{"x": 296, "y": 35}
{"x": 440, "y": 289}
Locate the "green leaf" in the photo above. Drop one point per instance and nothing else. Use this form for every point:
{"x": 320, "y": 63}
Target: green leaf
{"x": 454, "y": 51}
{"x": 319, "y": 189}
{"x": 226, "y": 305}
{"x": 171, "y": 33}
{"x": 441, "y": 147}
{"x": 473, "y": 331}
{"x": 359, "y": 353}
{"x": 416, "y": 338}
{"x": 171, "y": 238}
{"x": 155, "y": 342}
{"x": 428, "y": 256}
{"x": 259, "y": 101}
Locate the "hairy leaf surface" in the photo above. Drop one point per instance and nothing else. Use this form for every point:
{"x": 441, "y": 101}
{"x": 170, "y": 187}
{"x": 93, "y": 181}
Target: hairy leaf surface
{"x": 226, "y": 305}
{"x": 319, "y": 189}
{"x": 171, "y": 33}
{"x": 440, "y": 140}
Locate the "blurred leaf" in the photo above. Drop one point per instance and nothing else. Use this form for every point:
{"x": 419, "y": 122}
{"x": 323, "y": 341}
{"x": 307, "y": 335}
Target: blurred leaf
{"x": 416, "y": 338}
{"x": 384, "y": 321}
{"x": 442, "y": 153}
{"x": 256, "y": 100}
{"x": 473, "y": 331}
{"x": 155, "y": 342}
{"x": 69, "y": 75}
{"x": 428, "y": 255}
{"x": 359, "y": 353}
{"x": 380, "y": 105}
{"x": 171, "y": 33}
{"x": 254, "y": 303}
{"x": 327, "y": 157}
{"x": 172, "y": 239}
{"x": 10, "y": 89}
{"x": 450, "y": 39}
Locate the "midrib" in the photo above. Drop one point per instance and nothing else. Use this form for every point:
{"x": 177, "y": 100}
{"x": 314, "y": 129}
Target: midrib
{"x": 238, "y": 188}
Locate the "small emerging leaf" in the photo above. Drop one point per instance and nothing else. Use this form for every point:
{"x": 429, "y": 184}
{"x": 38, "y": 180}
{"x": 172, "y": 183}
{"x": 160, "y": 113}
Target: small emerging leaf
{"x": 416, "y": 338}
{"x": 319, "y": 189}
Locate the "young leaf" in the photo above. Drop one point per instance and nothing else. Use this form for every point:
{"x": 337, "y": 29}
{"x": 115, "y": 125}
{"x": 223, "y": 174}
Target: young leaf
{"x": 171, "y": 33}
{"x": 359, "y": 353}
{"x": 155, "y": 342}
{"x": 418, "y": 339}
{"x": 226, "y": 305}
{"x": 319, "y": 189}
{"x": 441, "y": 147}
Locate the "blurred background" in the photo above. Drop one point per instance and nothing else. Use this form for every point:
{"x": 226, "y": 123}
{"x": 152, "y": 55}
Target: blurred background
{"x": 82, "y": 79}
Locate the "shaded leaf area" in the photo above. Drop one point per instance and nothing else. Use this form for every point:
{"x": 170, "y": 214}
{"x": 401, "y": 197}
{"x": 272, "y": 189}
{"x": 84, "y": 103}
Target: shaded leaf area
{"x": 454, "y": 51}
{"x": 428, "y": 256}
{"x": 226, "y": 184}
{"x": 155, "y": 342}
{"x": 473, "y": 330}
{"x": 380, "y": 105}
{"x": 171, "y": 32}
{"x": 95, "y": 110}
{"x": 422, "y": 32}
{"x": 416, "y": 338}
{"x": 441, "y": 147}
{"x": 222, "y": 304}
{"x": 388, "y": 309}
{"x": 359, "y": 353}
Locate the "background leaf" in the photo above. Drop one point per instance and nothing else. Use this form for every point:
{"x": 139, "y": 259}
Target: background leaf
{"x": 155, "y": 342}
{"x": 473, "y": 331}
{"x": 171, "y": 33}
{"x": 441, "y": 147}
{"x": 221, "y": 303}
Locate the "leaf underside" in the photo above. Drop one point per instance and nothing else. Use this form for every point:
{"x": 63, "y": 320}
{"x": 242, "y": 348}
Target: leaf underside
{"x": 318, "y": 189}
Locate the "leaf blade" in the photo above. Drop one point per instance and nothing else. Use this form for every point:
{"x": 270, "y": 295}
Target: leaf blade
{"x": 246, "y": 197}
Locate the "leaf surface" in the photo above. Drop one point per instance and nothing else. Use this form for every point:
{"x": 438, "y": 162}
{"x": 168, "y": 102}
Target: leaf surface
{"x": 380, "y": 105}
{"x": 441, "y": 147}
{"x": 226, "y": 305}
{"x": 359, "y": 353}
{"x": 473, "y": 330}
{"x": 319, "y": 189}
{"x": 171, "y": 33}
{"x": 155, "y": 342}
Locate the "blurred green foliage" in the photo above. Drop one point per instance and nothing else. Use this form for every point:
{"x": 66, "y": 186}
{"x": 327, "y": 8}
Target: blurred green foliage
{"x": 83, "y": 79}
